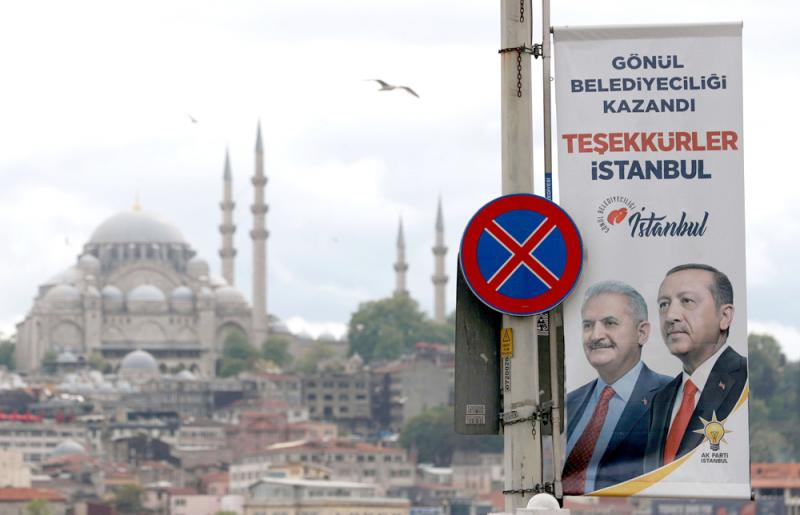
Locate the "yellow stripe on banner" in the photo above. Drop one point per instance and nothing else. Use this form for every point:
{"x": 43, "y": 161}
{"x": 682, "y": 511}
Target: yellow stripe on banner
{"x": 637, "y": 484}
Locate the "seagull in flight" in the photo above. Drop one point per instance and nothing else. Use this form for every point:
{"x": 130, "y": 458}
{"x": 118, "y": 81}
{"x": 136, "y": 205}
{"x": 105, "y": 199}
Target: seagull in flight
{"x": 385, "y": 86}
{"x": 191, "y": 118}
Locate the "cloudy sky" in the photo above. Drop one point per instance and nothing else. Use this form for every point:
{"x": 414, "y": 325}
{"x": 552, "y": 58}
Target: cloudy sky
{"x": 94, "y": 110}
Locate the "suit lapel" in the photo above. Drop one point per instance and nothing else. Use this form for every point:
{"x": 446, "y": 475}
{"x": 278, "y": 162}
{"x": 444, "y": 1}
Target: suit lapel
{"x": 661, "y": 418}
{"x": 637, "y": 405}
{"x": 720, "y": 383}
{"x": 576, "y": 408}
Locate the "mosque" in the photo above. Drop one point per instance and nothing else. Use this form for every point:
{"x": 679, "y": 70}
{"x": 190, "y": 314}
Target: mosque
{"x": 139, "y": 289}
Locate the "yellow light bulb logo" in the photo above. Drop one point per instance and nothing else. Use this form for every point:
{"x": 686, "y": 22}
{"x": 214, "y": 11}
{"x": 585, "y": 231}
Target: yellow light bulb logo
{"x": 714, "y": 431}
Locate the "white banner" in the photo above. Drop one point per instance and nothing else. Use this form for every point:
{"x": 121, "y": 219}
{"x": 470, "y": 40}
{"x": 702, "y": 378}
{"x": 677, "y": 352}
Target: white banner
{"x": 650, "y": 168}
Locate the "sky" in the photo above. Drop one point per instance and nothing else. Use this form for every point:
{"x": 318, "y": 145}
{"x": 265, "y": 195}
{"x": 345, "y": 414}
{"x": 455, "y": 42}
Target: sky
{"x": 95, "y": 110}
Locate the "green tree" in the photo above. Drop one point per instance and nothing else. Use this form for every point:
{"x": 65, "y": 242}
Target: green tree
{"x": 238, "y": 355}
{"x": 766, "y": 365}
{"x": 276, "y": 349}
{"x": 317, "y": 354}
{"x": 49, "y": 362}
{"x": 7, "y": 348}
{"x": 128, "y": 499}
{"x": 38, "y": 507}
{"x": 387, "y": 328}
{"x": 431, "y": 435}
{"x": 97, "y": 362}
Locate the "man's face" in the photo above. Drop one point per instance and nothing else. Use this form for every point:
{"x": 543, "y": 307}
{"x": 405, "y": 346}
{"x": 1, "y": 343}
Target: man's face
{"x": 691, "y": 322}
{"x": 612, "y": 340}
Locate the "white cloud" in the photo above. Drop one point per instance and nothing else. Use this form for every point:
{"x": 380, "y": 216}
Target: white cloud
{"x": 298, "y": 325}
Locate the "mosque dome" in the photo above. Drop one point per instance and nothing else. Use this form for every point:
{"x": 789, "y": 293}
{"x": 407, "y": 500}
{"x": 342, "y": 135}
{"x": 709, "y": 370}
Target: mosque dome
{"x": 327, "y": 336}
{"x": 112, "y": 298}
{"x": 89, "y": 264}
{"x": 66, "y": 358}
{"x": 217, "y": 281}
{"x": 182, "y": 299}
{"x": 146, "y": 298}
{"x": 197, "y": 267}
{"x": 63, "y": 294}
{"x": 279, "y": 326}
{"x": 229, "y": 295}
{"x": 185, "y": 375}
{"x": 138, "y": 360}
{"x": 67, "y": 448}
{"x": 136, "y": 226}
{"x": 69, "y": 276}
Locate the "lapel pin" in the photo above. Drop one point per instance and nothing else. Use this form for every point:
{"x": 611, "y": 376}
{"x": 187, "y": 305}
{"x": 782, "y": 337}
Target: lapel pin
{"x": 644, "y": 401}
{"x": 721, "y": 385}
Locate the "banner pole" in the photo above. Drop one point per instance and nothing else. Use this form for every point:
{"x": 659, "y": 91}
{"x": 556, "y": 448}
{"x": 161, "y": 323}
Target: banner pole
{"x": 555, "y": 318}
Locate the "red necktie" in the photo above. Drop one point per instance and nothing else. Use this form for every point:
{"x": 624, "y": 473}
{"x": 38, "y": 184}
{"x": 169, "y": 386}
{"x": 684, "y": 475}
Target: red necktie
{"x": 681, "y": 421}
{"x": 574, "y": 477}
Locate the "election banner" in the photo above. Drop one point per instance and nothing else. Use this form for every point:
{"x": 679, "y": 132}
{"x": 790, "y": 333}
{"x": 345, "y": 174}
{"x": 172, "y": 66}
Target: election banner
{"x": 650, "y": 169}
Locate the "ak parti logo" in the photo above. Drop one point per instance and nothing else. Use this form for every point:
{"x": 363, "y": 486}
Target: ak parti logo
{"x": 614, "y": 211}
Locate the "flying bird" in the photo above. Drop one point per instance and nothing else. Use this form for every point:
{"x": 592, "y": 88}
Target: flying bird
{"x": 385, "y": 86}
{"x": 191, "y": 118}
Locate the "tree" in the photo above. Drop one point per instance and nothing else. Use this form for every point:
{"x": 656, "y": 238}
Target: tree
{"x": 238, "y": 355}
{"x": 387, "y": 328}
{"x": 317, "y": 354}
{"x": 49, "y": 362}
{"x": 38, "y": 507}
{"x": 97, "y": 362}
{"x": 276, "y": 349}
{"x": 766, "y": 364}
{"x": 431, "y": 435}
{"x": 7, "y": 348}
{"x": 128, "y": 499}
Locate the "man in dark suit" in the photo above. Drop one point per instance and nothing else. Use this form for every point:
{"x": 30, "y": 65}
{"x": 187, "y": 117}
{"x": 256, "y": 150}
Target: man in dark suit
{"x": 608, "y": 417}
{"x": 695, "y": 305}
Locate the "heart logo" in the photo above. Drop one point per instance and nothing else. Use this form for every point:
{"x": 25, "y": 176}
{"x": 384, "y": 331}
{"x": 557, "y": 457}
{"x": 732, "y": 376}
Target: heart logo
{"x": 617, "y": 216}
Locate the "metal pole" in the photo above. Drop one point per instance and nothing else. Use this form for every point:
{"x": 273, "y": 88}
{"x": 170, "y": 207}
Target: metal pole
{"x": 555, "y": 317}
{"x": 520, "y": 382}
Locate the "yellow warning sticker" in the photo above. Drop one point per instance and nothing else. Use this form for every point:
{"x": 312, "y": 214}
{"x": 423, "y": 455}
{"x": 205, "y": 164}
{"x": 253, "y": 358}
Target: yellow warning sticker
{"x": 507, "y": 342}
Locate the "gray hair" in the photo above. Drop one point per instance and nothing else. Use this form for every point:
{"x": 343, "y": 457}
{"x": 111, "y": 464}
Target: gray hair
{"x": 635, "y": 300}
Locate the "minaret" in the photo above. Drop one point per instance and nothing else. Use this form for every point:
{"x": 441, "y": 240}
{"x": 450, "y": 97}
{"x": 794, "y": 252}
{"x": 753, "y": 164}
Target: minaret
{"x": 439, "y": 278}
{"x": 401, "y": 266}
{"x": 227, "y": 253}
{"x": 259, "y": 236}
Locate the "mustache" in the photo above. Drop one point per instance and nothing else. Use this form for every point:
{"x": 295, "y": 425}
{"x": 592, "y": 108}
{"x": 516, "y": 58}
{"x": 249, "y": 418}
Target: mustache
{"x": 601, "y": 344}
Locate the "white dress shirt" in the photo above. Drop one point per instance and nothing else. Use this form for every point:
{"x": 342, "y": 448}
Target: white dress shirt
{"x": 699, "y": 378}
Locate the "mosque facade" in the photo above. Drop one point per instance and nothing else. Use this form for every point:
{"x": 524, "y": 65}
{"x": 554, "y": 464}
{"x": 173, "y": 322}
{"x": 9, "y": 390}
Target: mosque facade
{"x": 138, "y": 285}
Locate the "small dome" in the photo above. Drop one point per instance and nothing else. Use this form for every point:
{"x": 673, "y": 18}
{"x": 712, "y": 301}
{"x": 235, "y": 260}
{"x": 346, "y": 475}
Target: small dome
{"x": 327, "y": 336}
{"x": 146, "y": 293}
{"x": 229, "y": 295}
{"x": 66, "y": 358}
{"x": 68, "y": 448}
{"x": 71, "y": 275}
{"x": 63, "y": 293}
{"x": 146, "y": 298}
{"x": 182, "y": 299}
{"x": 279, "y": 326}
{"x": 136, "y": 227}
{"x": 185, "y": 375}
{"x": 113, "y": 298}
{"x": 138, "y": 360}
{"x": 197, "y": 267}
{"x": 217, "y": 281}
{"x": 89, "y": 264}
{"x": 182, "y": 293}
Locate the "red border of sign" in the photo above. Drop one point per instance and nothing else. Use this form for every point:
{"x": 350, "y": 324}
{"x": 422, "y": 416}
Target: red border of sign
{"x": 468, "y": 259}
